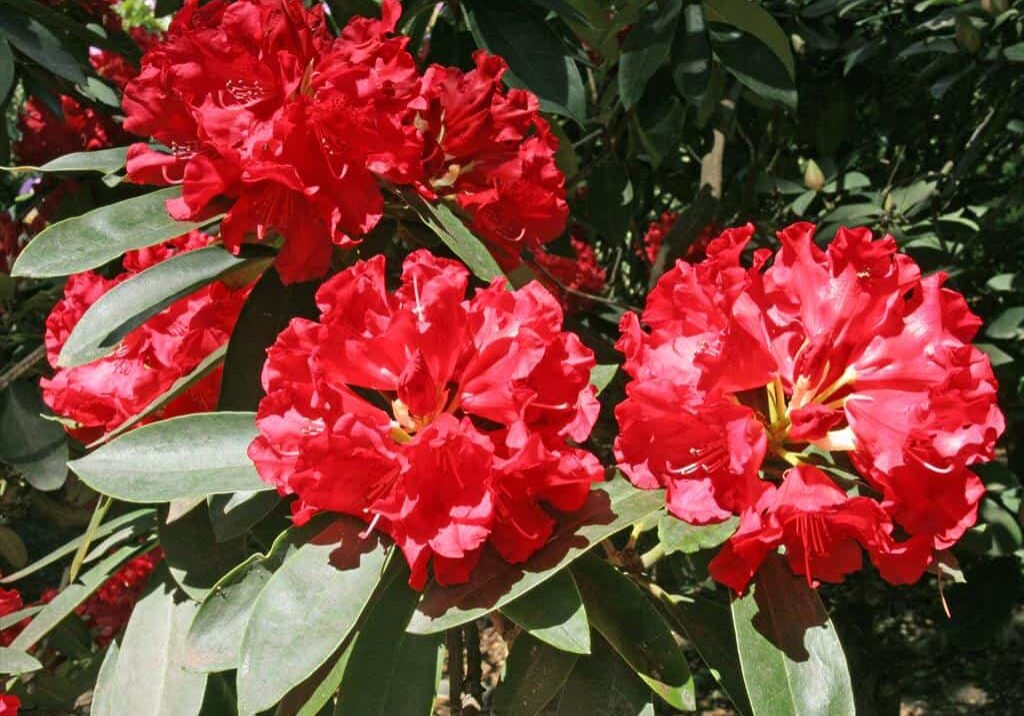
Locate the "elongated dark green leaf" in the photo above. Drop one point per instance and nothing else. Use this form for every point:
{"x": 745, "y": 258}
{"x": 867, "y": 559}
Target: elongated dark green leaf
{"x": 554, "y": 613}
{"x": 536, "y": 56}
{"x": 750, "y": 17}
{"x": 188, "y": 456}
{"x": 678, "y": 536}
{"x": 9, "y": 620}
{"x": 793, "y": 663}
{"x": 384, "y": 653}
{"x": 627, "y": 618}
{"x": 31, "y": 37}
{"x": 603, "y": 684}
{"x": 34, "y": 446}
{"x": 709, "y": 626}
{"x": 137, "y": 521}
{"x": 103, "y": 696}
{"x": 104, "y": 161}
{"x": 196, "y": 560}
{"x": 131, "y": 303}
{"x": 178, "y": 387}
{"x": 611, "y": 506}
{"x": 533, "y": 676}
{"x": 317, "y": 703}
{"x": 215, "y": 638}
{"x": 691, "y": 55}
{"x": 647, "y": 47}
{"x": 463, "y": 243}
{"x": 306, "y": 610}
{"x": 71, "y": 596}
{"x": 7, "y": 72}
{"x": 14, "y": 662}
{"x": 150, "y": 676}
{"x": 92, "y": 239}
{"x": 754, "y": 65}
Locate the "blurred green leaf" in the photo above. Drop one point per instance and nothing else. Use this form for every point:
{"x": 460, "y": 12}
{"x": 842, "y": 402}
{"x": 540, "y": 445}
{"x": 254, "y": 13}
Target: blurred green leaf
{"x": 753, "y": 19}
{"x": 463, "y": 243}
{"x": 195, "y": 559}
{"x": 38, "y": 43}
{"x": 646, "y": 48}
{"x": 15, "y": 663}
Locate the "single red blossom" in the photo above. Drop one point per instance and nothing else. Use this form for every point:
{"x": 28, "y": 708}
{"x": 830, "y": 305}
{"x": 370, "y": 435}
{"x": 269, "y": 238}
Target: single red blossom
{"x": 10, "y": 602}
{"x": 45, "y": 136}
{"x": 100, "y": 396}
{"x": 490, "y": 149}
{"x": 848, "y": 350}
{"x": 448, "y": 423}
{"x": 9, "y": 705}
{"x": 261, "y": 105}
{"x": 582, "y": 273}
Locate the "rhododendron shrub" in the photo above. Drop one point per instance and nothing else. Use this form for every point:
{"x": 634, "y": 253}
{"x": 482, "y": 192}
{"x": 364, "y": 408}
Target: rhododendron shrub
{"x": 470, "y": 438}
{"x": 847, "y": 350}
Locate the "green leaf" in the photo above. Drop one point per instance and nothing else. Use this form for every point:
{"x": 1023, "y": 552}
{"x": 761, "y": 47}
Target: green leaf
{"x": 149, "y": 675}
{"x": 610, "y": 199}
{"x": 234, "y": 514}
{"x": 792, "y": 660}
{"x": 39, "y": 44}
{"x": 534, "y": 674}
{"x": 187, "y": 456}
{"x": 610, "y": 507}
{"x": 105, "y": 161}
{"x": 71, "y": 596}
{"x": 624, "y": 615}
{"x": 384, "y": 654}
{"x": 646, "y": 48}
{"x": 536, "y": 56}
{"x": 103, "y": 695}
{"x": 306, "y": 610}
{"x": 708, "y": 625}
{"x": 8, "y": 75}
{"x": 602, "y": 375}
{"x": 678, "y": 536}
{"x": 195, "y": 559}
{"x": 754, "y": 65}
{"x": 1007, "y": 325}
{"x": 1015, "y": 53}
{"x": 215, "y": 638}
{"x": 603, "y": 684}
{"x": 126, "y": 526}
{"x": 14, "y": 662}
{"x": 317, "y": 704}
{"x": 463, "y": 243}
{"x": 691, "y": 55}
{"x": 132, "y": 302}
{"x": 753, "y": 19}
{"x": 92, "y": 239}
{"x": 554, "y": 613}
{"x": 34, "y": 446}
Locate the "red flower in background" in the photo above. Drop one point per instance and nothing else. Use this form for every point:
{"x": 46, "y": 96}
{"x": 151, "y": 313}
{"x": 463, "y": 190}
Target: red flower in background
{"x": 469, "y": 434}
{"x": 9, "y": 705}
{"x": 45, "y": 136}
{"x": 848, "y": 350}
{"x": 10, "y": 602}
{"x": 582, "y": 273}
{"x": 101, "y": 395}
{"x": 106, "y": 612}
{"x": 657, "y": 231}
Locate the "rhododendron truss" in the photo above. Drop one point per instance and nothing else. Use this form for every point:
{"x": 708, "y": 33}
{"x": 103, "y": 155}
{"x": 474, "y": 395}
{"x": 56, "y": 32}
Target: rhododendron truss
{"x": 299, "y": 132}
{"x": 98, "y": 397}
{"x": 448, "y": 423}
{"x": 750, "y": 385}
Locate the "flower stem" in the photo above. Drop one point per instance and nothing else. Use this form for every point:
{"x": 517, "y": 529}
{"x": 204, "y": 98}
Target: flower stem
{"x": 651, "y": 556}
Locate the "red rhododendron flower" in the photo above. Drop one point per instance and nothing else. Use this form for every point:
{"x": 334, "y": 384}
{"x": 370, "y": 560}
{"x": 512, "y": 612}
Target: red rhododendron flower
{"x": 582, "y": 273}
{"x": 449, "y": 423}
{"x": 490, "y": 148}
{"x": 101, "y": 395}
{"x": 658, "y": 230}
{"x": 10, "y": 602}
{"x": 9, "y": 705}
{"x": 260, "y": 104}
{"x": 45, "y": 136}
{"x": 848, "y": 350}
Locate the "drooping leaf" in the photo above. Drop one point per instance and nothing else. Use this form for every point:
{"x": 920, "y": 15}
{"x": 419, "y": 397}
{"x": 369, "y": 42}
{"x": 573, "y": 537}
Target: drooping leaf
{"x": 92, "y": 239}
{"x": 463, "y": 243}
{"x": 533, "y": 676}
{"x": 150, "y": 675}
{"x": 306, "y": 610}
{"x": 132, "y": 302}
{"x": 678, "y": 536}
{"x": 754, "y": 65}
{"x": 34, "y": 446}
{"x": 384, "y": 653}
{"x": 537, "y": 57}
{"x": 14, "y": 662}
{"x": 646, "y": 48}
{"x": 7, "y": 72}
{"x": 104, "y": 161}
{"x": 39, "y": 44}
{"x": 235, "y": 513}
{"x": 691, "y": 55}
{"x": 603, "y": 683}
{"x": 751, "y": 17}
{"x": 554, "y": 613}
{"x": 629, "y": 621}
{"x": 195, "y": 559}
{"x": 188, "y": 456}
{"x": 792, "y": 661}
{"x": 611, "y": 507}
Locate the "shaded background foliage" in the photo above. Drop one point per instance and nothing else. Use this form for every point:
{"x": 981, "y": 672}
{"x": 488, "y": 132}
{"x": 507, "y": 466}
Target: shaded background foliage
{"x": 904, "y": 117}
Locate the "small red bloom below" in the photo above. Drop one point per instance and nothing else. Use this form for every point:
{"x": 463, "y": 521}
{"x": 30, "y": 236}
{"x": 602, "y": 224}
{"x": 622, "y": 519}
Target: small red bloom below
{"x": 581, "y": 274}
{"x": 849, "y": 351}
{"x": 10, "y": 602}
{"x": 9, "y": 705}
{"x": 106, "y": 612}
{"x": 448, "y": 423}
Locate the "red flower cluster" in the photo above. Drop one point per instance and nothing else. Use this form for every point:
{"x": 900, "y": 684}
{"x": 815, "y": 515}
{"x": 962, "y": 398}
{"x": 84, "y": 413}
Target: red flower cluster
{"x": 10, "y": 602}
{"x": 299, "y": 130}
{"x": 583, "y": 273}
{"x": 101, "y": 395}
{"x": 448, "y": 423}
{"x": 45, "y": 136}
{"x": 9, "y": 705}
{"x": 657, "y": 231}
{"x": 848, "y": 350}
